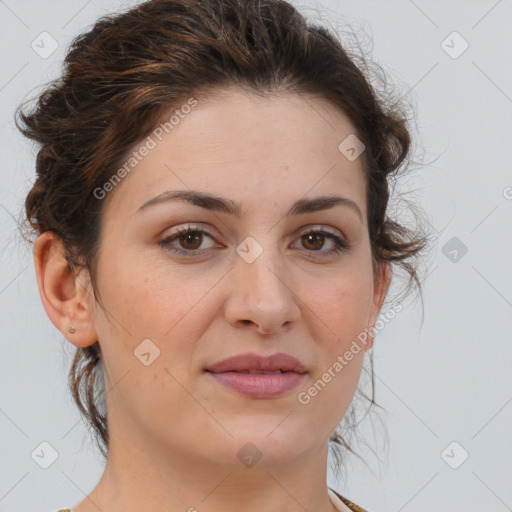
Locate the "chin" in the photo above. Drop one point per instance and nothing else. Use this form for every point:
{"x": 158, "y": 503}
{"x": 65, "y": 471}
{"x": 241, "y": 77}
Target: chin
{"x": 271, "y": 443}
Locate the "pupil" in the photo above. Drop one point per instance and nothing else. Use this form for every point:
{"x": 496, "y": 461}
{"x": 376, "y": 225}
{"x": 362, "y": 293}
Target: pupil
{"x": 189, "y": 238}
{"x": 313, "y": 237}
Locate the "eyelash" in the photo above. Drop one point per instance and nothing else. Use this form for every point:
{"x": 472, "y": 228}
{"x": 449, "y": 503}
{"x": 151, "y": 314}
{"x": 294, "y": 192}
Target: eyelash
{"x": 340, "y": 244}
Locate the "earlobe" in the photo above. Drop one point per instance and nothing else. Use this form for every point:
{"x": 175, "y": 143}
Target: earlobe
{"x": 381, "y": 286}
{"x": 64, "y": 295}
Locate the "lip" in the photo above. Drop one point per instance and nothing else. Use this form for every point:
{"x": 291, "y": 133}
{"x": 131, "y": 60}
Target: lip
{"x": 251, "y": 361}
{"x": 229, "y": 373}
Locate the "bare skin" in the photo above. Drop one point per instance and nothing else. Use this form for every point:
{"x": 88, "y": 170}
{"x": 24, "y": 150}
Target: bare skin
{"x": 175, "y": 432}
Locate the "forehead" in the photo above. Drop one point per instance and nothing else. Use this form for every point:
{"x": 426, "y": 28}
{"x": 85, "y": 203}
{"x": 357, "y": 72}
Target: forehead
{"x": 234, "y": 143}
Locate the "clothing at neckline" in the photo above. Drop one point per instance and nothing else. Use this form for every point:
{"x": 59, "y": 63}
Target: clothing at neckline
{"x": 337, "y": 499}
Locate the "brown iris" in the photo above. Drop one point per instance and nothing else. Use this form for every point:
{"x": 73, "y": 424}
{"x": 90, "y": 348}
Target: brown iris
{"x": 191, "y": 237}
{"x": 314, "y": 236}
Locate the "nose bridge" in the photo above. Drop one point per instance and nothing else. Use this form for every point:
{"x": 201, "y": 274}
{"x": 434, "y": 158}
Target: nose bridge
{"x": 262, "y": 293}
{"x": 260, "y": 266}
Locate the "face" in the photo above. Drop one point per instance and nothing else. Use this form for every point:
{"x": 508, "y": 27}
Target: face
{"x": 258, "y": 274}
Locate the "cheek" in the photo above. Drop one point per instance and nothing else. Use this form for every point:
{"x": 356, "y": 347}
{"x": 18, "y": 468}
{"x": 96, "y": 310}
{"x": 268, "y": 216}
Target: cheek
{"x": 149, "y": 299}
{"x": 145, "y": 302}
{"x": 341, "y": 305}
{"x": 341, "y": 316}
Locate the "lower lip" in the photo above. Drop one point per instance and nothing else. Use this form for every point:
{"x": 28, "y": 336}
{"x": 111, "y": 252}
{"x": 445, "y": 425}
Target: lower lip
{"x": 259, "y": 385}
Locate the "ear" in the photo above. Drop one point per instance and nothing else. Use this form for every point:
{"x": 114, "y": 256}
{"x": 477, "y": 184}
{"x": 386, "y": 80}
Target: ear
{"x": 65, "y": 297}
{"x": 382, "y": 280}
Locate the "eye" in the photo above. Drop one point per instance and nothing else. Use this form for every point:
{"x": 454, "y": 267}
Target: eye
{"x": 315, "y": 240}
{"x": 189, "y": 238}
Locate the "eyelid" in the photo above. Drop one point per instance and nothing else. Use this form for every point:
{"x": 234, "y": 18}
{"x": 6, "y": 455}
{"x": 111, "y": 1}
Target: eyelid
{"x": 189, "y": 227}
{"x": 320, "y": 227}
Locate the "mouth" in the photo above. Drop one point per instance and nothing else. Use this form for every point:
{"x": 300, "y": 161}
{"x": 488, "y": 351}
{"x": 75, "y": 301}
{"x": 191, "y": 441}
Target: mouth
{"x": 255, "y": 363}
{"x": 258, "y": 384}
{"x": 257, "y": 376}
{"x": 254, "y": 372}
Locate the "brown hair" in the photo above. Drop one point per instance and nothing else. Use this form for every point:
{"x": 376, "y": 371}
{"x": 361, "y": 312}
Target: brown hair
{"x": 122, "y": 75}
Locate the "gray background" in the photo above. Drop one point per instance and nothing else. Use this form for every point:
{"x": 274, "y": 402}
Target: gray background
{"x": 445, "y": 381}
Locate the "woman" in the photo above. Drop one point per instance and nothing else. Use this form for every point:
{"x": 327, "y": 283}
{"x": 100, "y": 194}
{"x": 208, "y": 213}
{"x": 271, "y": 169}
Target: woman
{"x": 210, "y": 205}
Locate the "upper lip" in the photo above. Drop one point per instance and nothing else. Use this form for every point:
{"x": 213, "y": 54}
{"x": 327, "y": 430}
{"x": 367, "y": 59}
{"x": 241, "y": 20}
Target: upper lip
{"x": 251, "y": 361}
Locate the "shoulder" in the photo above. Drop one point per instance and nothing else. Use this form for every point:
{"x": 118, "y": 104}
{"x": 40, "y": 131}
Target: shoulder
{"x": 352, "y": 506}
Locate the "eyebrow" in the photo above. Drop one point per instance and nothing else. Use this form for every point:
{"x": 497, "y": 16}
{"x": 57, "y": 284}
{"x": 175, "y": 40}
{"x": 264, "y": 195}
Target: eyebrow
{"x": 220, "y": 204}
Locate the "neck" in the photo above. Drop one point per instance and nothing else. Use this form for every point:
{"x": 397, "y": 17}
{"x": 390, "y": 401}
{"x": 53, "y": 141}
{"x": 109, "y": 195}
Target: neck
{"x": 141, "y": 476}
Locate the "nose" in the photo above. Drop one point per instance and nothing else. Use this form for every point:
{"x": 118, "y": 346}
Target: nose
{"x": 262, "y": 297}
